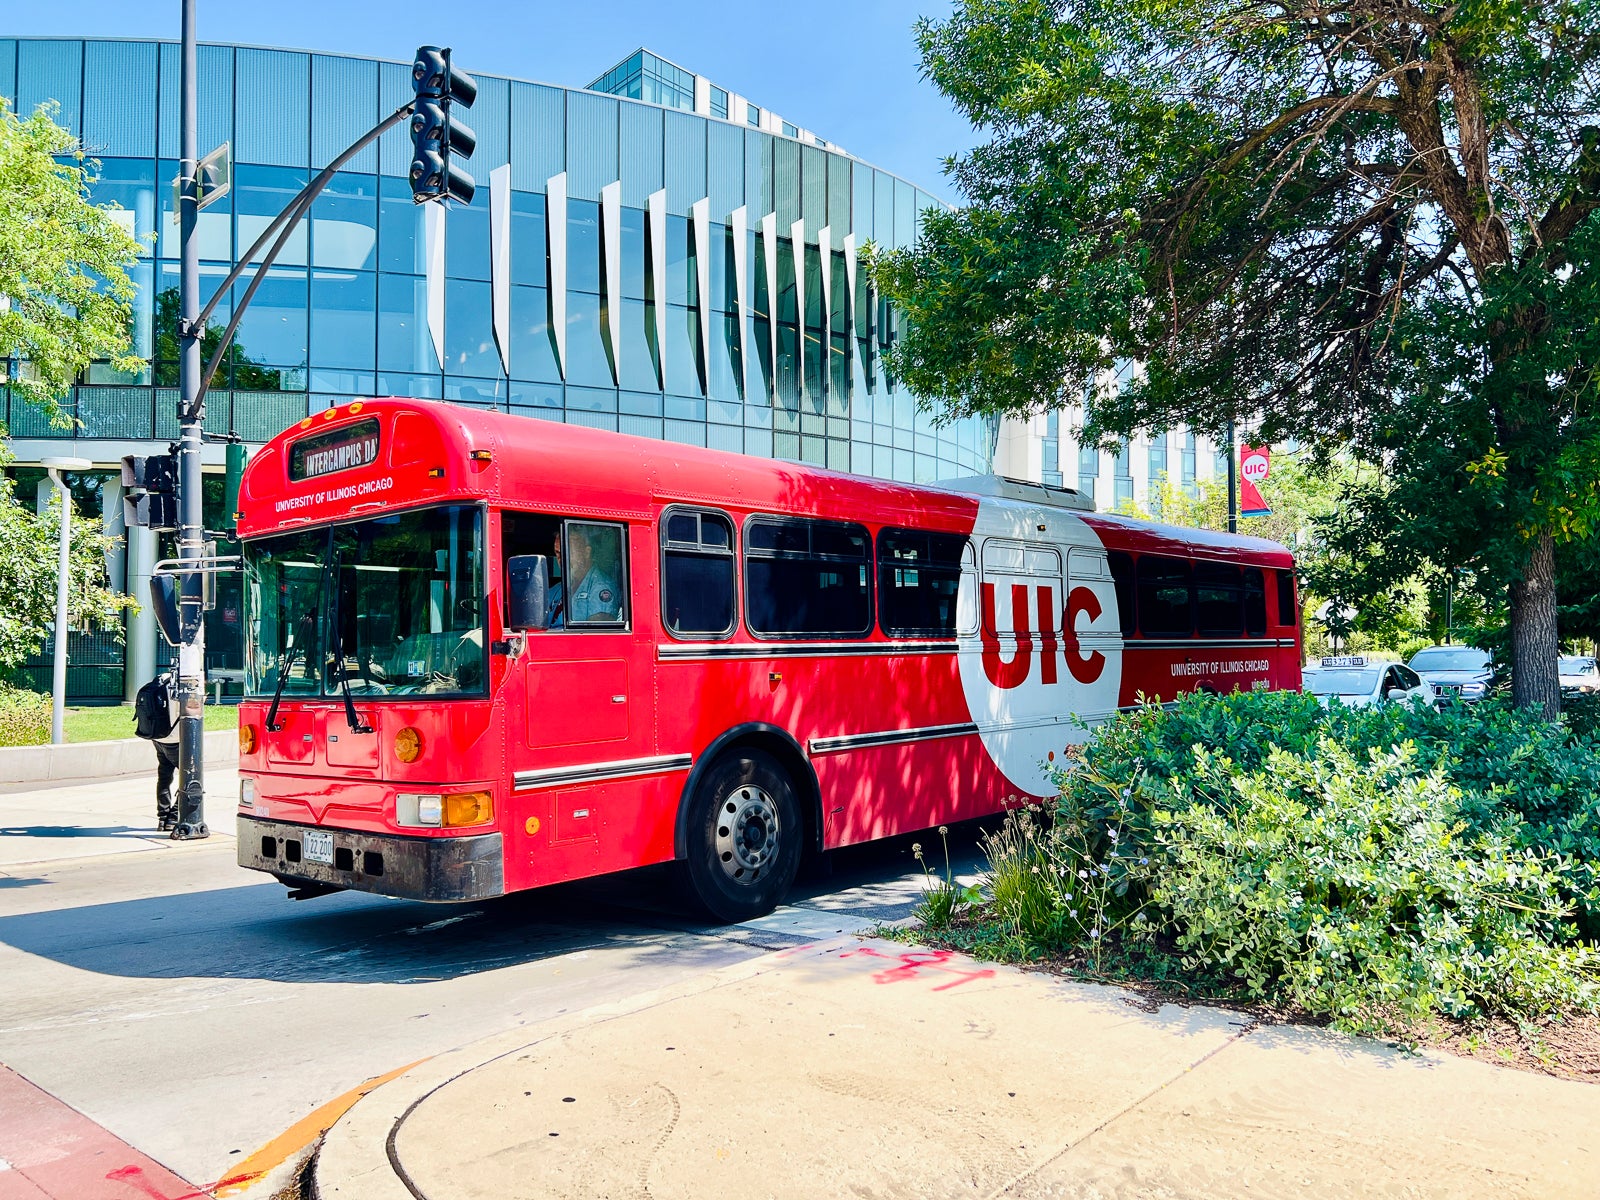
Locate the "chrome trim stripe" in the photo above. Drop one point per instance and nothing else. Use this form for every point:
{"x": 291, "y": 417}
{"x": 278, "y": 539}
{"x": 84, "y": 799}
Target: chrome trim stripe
{"x": 594, "y": 772}
{"x": 670, "y": 650}
{"x": 890, "y": 737}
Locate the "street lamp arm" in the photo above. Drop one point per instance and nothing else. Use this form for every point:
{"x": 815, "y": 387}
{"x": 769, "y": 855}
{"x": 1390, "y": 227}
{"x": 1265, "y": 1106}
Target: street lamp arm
{"x": 282, "y": 226}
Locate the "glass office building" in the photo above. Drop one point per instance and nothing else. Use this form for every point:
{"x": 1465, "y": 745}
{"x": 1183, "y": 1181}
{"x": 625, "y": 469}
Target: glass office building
{"x": 682, "y": 265}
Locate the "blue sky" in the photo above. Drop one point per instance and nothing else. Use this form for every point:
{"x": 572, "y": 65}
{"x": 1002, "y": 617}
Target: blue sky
{"x": 848, "y": 71}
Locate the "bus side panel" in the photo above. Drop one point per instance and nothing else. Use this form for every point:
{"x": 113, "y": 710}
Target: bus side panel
{"x": 888, "y": 790}
{"x": 560, "y": 834}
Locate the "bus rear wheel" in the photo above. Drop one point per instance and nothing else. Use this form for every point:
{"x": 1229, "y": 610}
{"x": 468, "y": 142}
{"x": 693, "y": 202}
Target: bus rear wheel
{"x": 745, "y": 837}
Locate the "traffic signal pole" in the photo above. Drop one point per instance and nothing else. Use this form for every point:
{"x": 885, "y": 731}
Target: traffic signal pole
{"x": 191, "y": 423}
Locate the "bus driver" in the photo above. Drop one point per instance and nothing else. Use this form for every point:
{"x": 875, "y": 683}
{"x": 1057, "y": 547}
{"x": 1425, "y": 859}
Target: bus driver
{"x": 595, "y": 596}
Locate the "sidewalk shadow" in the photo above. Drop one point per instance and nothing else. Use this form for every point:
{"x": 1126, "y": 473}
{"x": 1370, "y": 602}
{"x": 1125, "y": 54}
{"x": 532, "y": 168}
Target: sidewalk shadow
{"x": 18, "y": 881}
{"x": 254, "y": 932}
{"x": 78, "y": 831}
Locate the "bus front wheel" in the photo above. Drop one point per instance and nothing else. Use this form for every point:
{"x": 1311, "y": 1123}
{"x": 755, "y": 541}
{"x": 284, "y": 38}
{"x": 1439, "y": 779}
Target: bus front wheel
{"x": 745, "y": 837}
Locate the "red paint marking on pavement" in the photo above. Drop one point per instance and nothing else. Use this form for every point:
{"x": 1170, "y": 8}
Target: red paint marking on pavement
{"x": 913, "y": 962}
{"x": 56, "y": 1152}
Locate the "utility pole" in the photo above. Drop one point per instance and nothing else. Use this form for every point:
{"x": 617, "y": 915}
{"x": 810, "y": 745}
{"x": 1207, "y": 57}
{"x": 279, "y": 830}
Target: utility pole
{"x": 191, "y": 423}
{"x": 1233, "y": 481}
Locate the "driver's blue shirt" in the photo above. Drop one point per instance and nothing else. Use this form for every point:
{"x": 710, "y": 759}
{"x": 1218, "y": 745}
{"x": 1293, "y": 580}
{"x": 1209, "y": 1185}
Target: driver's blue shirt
{"x": 596, "y": 597}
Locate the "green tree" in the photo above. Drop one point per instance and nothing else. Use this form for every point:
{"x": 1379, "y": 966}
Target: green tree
{"x": 29, "y": 543}
{"x": 1368, "y": 224}
{"x": 65, "y": 295}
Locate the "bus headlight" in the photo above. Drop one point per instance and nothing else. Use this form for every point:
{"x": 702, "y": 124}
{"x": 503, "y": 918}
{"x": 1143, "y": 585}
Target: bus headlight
{"x": 468, "y": 808}
{"x": 408, "y": 745}
{"x": 418, "y": 810}
{"x": 247, "y": 793}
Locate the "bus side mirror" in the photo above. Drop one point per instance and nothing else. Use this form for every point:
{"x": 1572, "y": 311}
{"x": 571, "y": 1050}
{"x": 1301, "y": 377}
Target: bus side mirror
{"x": 164, "y": 606}
{"x": 528, "y": 608}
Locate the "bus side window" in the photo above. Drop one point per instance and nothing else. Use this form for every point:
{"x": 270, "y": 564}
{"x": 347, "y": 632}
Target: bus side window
{"x": 1219, "y": 600}
{"x": 1166, "y": 596}
{"x": 697, "y": 573}
{"x": 523, "y": 533}
{"x": 1122, "y": 574}
{"x": 919, "y": 579}
{"x": 595, "y": 566}
{"x": 1007, "y": 565}
{"x": 1288, "y": 610}
{"x": 1255, "y": 602}
{"x": 805, "y": 578}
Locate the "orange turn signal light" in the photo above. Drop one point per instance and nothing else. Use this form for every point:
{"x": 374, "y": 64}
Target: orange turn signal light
{"x": 468, "y": 808}
{"x": 408, "y": 745}
{"x": 247, "y": 739}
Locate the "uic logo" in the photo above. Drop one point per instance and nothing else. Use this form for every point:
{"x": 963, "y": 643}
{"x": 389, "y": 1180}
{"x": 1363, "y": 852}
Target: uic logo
{"x": 1055, "y": 637}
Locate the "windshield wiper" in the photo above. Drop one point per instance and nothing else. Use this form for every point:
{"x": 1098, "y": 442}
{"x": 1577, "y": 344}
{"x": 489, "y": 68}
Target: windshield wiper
{"x": 308, "y": 620}
{"x": 336, "y": 646}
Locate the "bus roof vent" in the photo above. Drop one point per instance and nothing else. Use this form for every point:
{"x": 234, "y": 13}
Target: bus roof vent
{"x": 1020, "y": 489}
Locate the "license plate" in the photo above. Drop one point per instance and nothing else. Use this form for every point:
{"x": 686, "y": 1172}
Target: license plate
{"x": 317, "y": 847}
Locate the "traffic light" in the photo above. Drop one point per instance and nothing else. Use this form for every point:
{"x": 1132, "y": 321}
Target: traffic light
{"x": 150, "y": 491}
{"x": 441, "y": 141}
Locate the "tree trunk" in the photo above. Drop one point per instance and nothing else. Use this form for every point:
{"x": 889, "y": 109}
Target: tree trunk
{"x": 1535, "y": 641}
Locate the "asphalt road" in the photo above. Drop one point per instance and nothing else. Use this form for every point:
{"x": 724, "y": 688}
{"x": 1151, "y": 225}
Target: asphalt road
{"x": 190, "y": 1008}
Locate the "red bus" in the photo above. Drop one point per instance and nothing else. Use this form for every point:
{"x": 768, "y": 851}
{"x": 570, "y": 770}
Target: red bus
{"x": 487, "y": 653}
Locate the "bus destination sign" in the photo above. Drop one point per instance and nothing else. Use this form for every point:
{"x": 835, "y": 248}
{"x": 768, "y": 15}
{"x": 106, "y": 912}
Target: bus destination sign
{"x": 337, "y": 450}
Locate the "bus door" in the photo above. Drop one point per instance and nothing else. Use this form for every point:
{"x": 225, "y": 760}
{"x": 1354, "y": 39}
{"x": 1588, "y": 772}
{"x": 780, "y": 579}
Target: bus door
{"x": 579, "y": 696}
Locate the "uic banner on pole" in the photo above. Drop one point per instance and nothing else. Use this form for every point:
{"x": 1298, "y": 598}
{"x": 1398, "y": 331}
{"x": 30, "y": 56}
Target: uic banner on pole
{"x": 1255, "y": 463}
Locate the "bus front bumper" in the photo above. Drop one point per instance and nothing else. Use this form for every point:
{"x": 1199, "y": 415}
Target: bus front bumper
{"x": 467, "y": 867}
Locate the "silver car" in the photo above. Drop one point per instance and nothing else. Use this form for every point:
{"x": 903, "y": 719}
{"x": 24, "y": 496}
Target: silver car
{"x": 1455, "y": 672}
{"x": 1356, "y": 682}
{"x": 1579, "y": 673}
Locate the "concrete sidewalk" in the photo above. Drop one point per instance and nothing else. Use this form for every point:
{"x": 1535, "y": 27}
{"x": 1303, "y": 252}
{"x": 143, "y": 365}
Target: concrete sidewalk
{"x": 868, "y": 1068}
{"x": 49, "y": 822}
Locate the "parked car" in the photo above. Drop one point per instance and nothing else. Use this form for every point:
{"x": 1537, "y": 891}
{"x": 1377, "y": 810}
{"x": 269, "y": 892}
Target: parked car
{"x": 1357, "y": 682}
{"x": 1455, "y": 672}
{"x": 1579, "y": 673}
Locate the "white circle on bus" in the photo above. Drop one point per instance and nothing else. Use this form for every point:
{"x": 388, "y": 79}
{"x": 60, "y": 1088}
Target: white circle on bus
{"x": 1040, "y": 640}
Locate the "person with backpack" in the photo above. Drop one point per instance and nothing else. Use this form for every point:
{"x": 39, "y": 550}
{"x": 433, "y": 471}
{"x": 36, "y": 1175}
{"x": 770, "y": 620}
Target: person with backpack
{"x": 155, "y": 716}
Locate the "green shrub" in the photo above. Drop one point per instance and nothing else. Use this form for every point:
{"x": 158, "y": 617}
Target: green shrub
{"x": 1372, "y": 865}
{"x": 1582, "y": 714}
{"x": 1355, "y": 890}
{"x": 24, "y": 717}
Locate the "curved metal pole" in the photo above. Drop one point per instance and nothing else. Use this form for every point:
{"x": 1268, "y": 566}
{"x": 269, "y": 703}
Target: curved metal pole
{"x": 283, "y": 225}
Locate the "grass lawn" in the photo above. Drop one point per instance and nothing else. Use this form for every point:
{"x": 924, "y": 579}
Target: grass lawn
{"x": 116, "y": 721}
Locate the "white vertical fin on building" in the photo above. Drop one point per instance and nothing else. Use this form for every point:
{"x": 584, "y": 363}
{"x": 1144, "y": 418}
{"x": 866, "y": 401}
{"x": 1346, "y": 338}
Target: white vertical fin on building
{"x": 500, "y": 260}
{"x": 555, "y": 223}
{"x": 825, "y": 257}
{"x": 737, "y": 220}
{"x": 769, "y": 248}
{"x": 700, "y": 219}
{"x": 702, "y": 95}
{"x": 797, "y": 247}
{"x": 611, "y": 248}
{"x": 656, "y": 206}
{"x": 850, "y": 297}
{"x": 433, "y": 250}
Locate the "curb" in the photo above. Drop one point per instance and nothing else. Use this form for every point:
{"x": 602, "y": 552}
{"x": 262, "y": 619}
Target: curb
{"x": 102, "y": 760}
{"x": 355, "y": 1159}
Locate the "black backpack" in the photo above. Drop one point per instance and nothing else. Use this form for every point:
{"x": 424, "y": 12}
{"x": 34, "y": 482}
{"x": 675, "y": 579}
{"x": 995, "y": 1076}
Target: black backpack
{"x": 152, "y": 710}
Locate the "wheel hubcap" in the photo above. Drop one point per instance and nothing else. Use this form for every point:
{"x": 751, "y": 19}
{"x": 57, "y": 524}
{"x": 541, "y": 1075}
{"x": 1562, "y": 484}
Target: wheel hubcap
{"x": 747, "y": 833}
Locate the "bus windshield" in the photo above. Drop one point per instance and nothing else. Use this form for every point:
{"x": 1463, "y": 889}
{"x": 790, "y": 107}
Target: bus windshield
{"x": 390, "y": 606}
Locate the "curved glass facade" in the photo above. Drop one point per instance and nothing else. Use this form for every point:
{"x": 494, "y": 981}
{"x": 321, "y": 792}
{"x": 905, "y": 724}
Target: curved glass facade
{"x": 697, "y": 283}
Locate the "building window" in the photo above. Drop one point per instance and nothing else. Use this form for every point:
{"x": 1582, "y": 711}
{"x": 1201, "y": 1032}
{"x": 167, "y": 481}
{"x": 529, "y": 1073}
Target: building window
{"x": 1189, "y": 464}
{"x": 790, "y": 130}
{"x": 1050, "y": 450}
{"x": 1123, "y": 475}
{"x": 752, "y": 115}
{"x": 1088, "y": 469}
{"x": 719, "y": 102}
